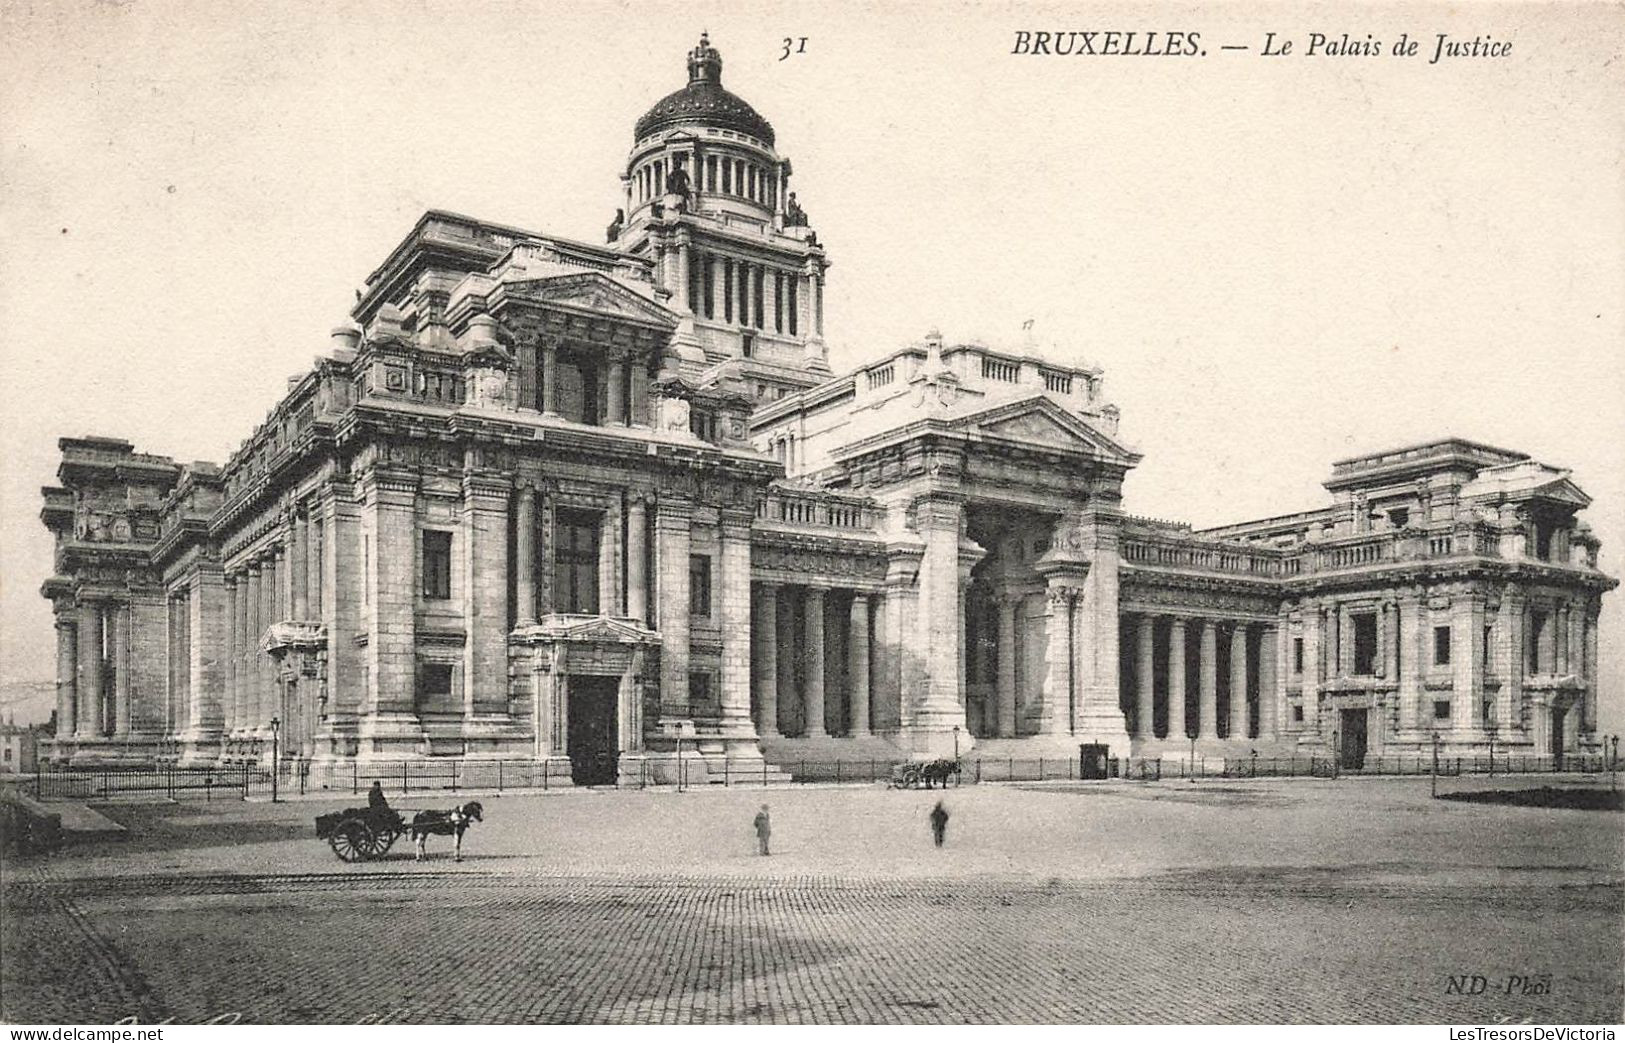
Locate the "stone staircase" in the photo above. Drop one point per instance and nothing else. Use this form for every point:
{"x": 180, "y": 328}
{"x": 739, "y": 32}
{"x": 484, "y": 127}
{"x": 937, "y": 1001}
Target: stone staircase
{"x": 832, "y": 758}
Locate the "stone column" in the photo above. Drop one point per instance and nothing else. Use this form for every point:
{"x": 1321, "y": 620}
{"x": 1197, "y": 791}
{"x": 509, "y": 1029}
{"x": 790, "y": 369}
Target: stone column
{"x": 1207, "y": 722}
{"x": 885, "y": 708}
{"x": 550, "y": 378}
{"x": 67, "y": 670}
{"x": 672, "y": 518}
{"x": 1176, "y": 680}
{"x": 764, "y": 660}
{"x": 484, "y": 531}
{"x": 1589, "y": 652}
{"x": 207, "y": 624}
{"x": 1269, "y": 695}
{"x": 87, "y": 721}
{"x": 298, "y": 552}
{"x": 313, "y": 562}
{"x": 1410, "y": 669}
{"x": 1334, "y": 642}
{"x": 1059, "y": 701}
{"x": 389, "y": 726}
{"x": 937, "y": 636}
{"x": 733, "y": 560}
{"x": 1466, "y": 659}
{"x": 1145, "y": 678}
{"x": 813, "y": 664}
{"x": 637, "y": 563}
{"x": 610, "y": 602}
{"x": 525, "y": 558}
{"x": 248, "y": 677}
{"x": 637, "y": 411}
{"x": 119, "y": 620}
{"x": 686, "y": 302}
{"x": 617, "y": 393}
{"x": 1099, "y": 716}
{"x": 1238, "y": 681}
{"x": 1574, "y": 645}
{"x": 803, "y": 310}
{"x": 266, "y": 695}
{"x": 858, "y": 665}
{"x": 770, "y": 300}
{"x": 1008, "y": 606}
{"x": 1390, "y": 640}
{"x": 785, "y": 686}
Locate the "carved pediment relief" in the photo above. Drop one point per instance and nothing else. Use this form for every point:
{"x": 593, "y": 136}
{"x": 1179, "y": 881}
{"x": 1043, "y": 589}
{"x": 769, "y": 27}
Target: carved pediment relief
{"x": 1042, "y": 424}
{"x": 594, "y": 294}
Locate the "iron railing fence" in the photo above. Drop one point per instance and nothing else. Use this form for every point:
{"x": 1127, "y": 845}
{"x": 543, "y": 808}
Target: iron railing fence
{"x": 242, "y": 781}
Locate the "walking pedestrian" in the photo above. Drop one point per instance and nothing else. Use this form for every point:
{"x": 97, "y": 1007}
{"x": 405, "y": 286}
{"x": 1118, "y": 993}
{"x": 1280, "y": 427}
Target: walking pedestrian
{"x": 939, "y": 823}
{"x": 764, "y": 829}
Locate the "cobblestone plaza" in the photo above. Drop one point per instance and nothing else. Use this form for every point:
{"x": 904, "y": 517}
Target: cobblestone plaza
{"x": 1306, "y": 901}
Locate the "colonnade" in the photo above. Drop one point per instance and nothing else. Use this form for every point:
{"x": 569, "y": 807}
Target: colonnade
{"x": 749, "y": 293}
{"x": 1173, "y": 693}
{"x": 790, "y": 662}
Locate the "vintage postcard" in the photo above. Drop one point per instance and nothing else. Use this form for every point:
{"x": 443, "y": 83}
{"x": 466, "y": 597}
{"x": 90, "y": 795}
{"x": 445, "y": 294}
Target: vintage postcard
{"x": 853, "y": 513}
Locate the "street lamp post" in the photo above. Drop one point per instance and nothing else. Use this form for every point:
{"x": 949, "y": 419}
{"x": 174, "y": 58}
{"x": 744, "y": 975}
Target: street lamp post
{"x": 1435, "y": 764}
{"x": 956, "y": 742}
{"x": 276, "y": 724}
{"x": 1490, "y": 732}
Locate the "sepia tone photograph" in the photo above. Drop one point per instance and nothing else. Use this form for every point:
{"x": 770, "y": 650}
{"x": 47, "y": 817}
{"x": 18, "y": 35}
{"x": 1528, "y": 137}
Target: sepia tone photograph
{"x": 842, "y": 514}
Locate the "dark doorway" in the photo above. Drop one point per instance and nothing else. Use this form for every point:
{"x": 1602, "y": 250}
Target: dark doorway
{"x": 593, "y": 741}
{"x": 1557, "y": 739}
{"x": 1353, "y": 748}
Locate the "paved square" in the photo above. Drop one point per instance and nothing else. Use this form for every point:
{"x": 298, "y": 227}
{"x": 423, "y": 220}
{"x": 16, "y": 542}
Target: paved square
{"x": 1301, "y": 901}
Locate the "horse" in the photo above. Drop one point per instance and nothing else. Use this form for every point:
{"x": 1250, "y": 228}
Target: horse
{"x": 938, "y": 771}
{"x": 446, "y": 824}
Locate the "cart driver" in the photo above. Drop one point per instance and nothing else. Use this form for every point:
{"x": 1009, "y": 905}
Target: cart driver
{"x": 375, "y": 796}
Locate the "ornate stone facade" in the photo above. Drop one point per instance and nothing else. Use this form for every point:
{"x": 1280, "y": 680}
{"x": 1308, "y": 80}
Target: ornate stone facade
{"x": 604, "y": 506}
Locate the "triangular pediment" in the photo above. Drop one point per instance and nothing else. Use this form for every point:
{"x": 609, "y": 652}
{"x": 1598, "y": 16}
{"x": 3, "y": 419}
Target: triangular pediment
{"x": 1039, "y": 423}
{"x": 593, "y": 294}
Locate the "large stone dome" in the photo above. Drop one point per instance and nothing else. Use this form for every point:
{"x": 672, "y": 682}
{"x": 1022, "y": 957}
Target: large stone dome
{"x": 704, "y": 102}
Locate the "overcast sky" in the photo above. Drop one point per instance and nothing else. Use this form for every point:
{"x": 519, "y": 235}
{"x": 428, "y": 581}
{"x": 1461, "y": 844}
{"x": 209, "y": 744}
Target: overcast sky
{"x": 1278, "y": 261}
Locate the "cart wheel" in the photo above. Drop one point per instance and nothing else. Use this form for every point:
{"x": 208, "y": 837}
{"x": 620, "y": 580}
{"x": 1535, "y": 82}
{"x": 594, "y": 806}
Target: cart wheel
{"x": 378, "y": 844}
{"x": 350, "y": 839}
{"x": 911, "y": 777}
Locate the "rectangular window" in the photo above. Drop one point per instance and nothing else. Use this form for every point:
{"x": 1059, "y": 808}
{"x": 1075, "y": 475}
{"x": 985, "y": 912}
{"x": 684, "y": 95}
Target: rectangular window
{"x": 1441, "y": 709}
{"x": 727, "y": 177}
{"x": 709, "y": 297}
{"x": 1489, "y": 636}
{"x": 747, "y": 345}
{"x": 434, "y": 686}
{"x": 436, "y": 565}
{"x": 1365, "y": 643}
{"x": 727, "y": 291}
{"x": 778, "y": 302}
{"x": 790, "y": 304}
{"x": 575, "y": 561}
{"x": 710, "y": 173}
{"x": 699, "y": 586}
{"x": 1297, "y": 657}
{"x": 1441, "y": 646}
{"x": 744, "y": 295}
{"x": 1297, "y": 715}
{"x": 757, "y": 281}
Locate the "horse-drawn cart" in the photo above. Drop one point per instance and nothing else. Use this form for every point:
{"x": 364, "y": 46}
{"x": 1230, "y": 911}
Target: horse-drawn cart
{"x": 360, "y": 834}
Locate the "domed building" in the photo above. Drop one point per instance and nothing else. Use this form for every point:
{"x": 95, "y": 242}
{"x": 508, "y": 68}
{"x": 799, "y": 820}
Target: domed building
{"x": 559, "y": 512}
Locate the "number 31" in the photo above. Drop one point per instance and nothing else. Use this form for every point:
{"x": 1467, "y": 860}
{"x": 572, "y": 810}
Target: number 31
{"x": 793, "y": 46}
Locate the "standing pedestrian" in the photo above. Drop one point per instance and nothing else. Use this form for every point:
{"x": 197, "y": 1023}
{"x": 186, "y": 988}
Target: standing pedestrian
{"x": 764, "y": 829}
{"x": 939, "y": 823}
